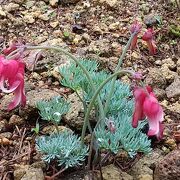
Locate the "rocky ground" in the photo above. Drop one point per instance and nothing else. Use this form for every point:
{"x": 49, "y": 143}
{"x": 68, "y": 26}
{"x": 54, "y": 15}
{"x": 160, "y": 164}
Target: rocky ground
{"x": 97, "y": 29}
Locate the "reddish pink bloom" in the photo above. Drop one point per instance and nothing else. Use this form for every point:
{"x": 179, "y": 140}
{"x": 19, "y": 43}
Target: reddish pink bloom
{"x": 149, "y": 38}
{"x": 135, "y": 28}
{"x": 16, "y": 50}
{"x": 12, "y": 80}
{"x": 146, "y": 105}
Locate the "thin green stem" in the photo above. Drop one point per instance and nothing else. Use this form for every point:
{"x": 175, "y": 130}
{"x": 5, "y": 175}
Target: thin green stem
{"x": 94, "y": 98}
{"x": 117, "y": 69}
{"x": 85, "y": 109}
{"x": 102, "y": 114}
{"x": 84, "y": 105}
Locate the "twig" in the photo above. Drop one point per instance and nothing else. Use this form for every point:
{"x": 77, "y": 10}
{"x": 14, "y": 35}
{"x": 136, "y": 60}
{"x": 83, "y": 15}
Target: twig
{"x": 105, "y": 158}
{"x": 58, "y": 173}
{"x": 21, "y": 142}
{"x": 5, "y": 163}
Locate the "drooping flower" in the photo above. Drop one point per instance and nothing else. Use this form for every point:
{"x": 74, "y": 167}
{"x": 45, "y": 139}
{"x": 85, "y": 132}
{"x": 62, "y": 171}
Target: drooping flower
{"x": 149, "y": 38}
{"x": 12, "y": 80}
{"x": 16, "y": 49}
{"x": 146, "y": 105}
{"x": 135, "y": 28}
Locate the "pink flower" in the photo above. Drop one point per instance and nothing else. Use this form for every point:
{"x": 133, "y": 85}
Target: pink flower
{"x": 146, "y": 105}
{"x": 135, "y": 28}
{"x": 149, "y": 38}
{"x": 12, "y": 80}
{"x": 15, "y": 50}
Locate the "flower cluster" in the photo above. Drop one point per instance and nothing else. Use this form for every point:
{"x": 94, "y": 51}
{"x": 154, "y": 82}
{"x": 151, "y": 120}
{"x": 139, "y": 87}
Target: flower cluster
{"x": 12, "y": 80}
{"x": 146, "y": 105}
{"x": 148, "y": 37}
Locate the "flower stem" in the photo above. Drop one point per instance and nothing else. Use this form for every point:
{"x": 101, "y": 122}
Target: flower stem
{"x": 102, "y": 114}
{"x": 117, "y": 69}
{"x": 94, "y": 98}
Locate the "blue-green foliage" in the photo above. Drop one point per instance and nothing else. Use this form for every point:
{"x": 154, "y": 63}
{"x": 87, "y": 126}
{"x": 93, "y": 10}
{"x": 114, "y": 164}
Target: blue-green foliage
{"x": 73, "y": 76}
{"x": 120, "y": 108}
{"x": 53, "y": 109}
{"x": 124, "y": 137}
{"x": 121, "y": 99}
{"x": 64, "y": 147}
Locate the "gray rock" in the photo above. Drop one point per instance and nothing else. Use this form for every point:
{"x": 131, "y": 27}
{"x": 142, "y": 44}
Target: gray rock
{"x": 15, "y": 120}
{"x": 26, "y": 172}
{"x": 11, "y": 7}
{"x": 114, "y": 173}
{"x": 169, "y": 63}
{"x": 169, "y": 167}
{"x": 144, "y": 167}
{"x": 173, "y": 90}
{"x": 155, "y": 78}
{"x": 178, "y": 66}
{"x": 110, "y": 3}
{"x": 33, "y": 97}
{"x": 75, "y": 116}
{"x": 173, "y": 109}
{"x": 160, "y": 93}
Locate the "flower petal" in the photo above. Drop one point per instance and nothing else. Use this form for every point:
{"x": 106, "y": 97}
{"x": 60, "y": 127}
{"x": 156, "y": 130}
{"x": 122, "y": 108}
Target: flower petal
{"x": 154, "y": 113}
{"x": 139, "y": 95}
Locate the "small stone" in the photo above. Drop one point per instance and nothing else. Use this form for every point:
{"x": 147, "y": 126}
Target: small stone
{"x": 97, "y": 30}
{"x": 168, "y": 167}
{"x": 26, "y": 172}
{"x": 41, "y": 83}
{"x": 110, "y": 3}
{"x": 114, "y": 26}
{"x": 158, "y": 62}
{"x": 173, "y": 90}
{"x": 4, "y": 141}
{"x": 39, "y": 164}
{"x": 2, "y": 12}
{"x": 135, "y": 55}
{"x": 54, "y": 24}
{"x": 44, "y": 17}
{"x": 40, "y": 39}
{"x": 7, "y": 135}
{"x": 86, "y": 37}
{"x": 55, "y": 73}
{"x": 16, "y": 120}
{"x": 36, "y": 76}
{"x": 114, "y": 173}
{"x": 52, "y": 129}
{"x": 19, "y": 1}
{"x": 165, "y": 150}
{"x": 145, "y": 177}
{"x": 29, "y": 19}
{"x": 57, "y": 33}
{"x": 3, "y": 124}
{"x": 77, "y": 39}
{"x": 155, "y": 78}
{"x": 169, "y": 63}
{"x": 171, "y": 144}
{"x": 30, "y": 4}
{"x": 11, "y": 7}
{"x": 143, "y": 168}
{"x": 160, "y": 93}
{"x": 167, "y": 73}
{"x": 53, "y": 3}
